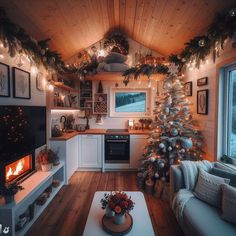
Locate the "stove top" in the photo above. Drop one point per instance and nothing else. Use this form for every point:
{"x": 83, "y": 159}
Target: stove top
{"x": 116, "y": 130}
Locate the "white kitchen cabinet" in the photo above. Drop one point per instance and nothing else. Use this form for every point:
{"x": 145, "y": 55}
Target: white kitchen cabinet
{"x": 137, "y": 145}
{"x": 90, "y": 151}
{"x": 68, "y": 150}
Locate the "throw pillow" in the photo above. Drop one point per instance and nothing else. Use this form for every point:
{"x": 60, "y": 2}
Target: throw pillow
{"x": 208, "y": 188}
{"x": 229, "y": 203}
{"x": 224, "y": 174}
{"x": 115, "y": 57}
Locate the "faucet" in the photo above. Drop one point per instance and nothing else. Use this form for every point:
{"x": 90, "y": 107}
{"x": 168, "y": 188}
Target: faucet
{"x": 63, "y": 120}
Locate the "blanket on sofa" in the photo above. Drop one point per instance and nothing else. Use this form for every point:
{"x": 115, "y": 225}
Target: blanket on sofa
{"x": 190, "y": 173}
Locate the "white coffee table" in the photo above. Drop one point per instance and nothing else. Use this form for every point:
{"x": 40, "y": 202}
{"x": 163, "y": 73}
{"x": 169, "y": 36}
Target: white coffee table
{"x": 142, "y": 225}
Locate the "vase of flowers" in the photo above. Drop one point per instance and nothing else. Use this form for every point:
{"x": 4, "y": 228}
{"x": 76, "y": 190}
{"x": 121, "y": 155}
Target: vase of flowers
{"x": 47, "y": 158}
{"x": 120, "y": 204}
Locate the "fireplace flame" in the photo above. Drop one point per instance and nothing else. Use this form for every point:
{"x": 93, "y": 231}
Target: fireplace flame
{"x": 17, "y": 171}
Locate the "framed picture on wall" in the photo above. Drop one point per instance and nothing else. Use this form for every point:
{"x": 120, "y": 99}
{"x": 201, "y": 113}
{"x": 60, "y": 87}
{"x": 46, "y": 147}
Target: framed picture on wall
{"x": 4, "y": 80}
{"x": 202, "y": 81}
{"x": 188, "y": 86}
{"x": 202, "y": 102}
{"x": 21, "y": 83}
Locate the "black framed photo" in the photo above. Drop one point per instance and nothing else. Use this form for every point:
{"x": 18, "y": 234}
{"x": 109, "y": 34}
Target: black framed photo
{"x": 4, "y": 80}
{"x": 202, "y": 81}
{"x": 21, "y": 83}
{"x": 188, "y": 86}
{"x": 202, "y": 102}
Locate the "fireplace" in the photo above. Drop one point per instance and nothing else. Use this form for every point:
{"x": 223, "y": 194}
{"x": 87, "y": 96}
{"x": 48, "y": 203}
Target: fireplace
{"x": 17, "y": 169}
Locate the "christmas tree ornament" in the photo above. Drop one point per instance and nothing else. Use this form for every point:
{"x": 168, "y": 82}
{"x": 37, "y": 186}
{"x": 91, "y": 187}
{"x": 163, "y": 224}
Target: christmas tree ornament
{"x": 152, "y": 159}
{"x": 157, "y": 176}
{"x": 163, "y": 179}
{"x": 169, "y": 148}
{"x": 201, "y": 43}
{"x": 161, "y": 164}
{"x": 174, "y": 132}
{"x": 167, "y": 110}
{"x": 232, "y": 12}
{"x": 186, "y": 143}
{"x": 182, "y": 150}
{"x": 161, "y": 145}
{"x": 43, "y": 51}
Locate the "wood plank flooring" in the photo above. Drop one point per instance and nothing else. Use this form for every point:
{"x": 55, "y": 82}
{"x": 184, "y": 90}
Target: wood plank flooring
{"x": 66, "y": 215}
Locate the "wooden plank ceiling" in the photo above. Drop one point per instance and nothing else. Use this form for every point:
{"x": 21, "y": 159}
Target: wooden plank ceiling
{"x": 163, "y": 25}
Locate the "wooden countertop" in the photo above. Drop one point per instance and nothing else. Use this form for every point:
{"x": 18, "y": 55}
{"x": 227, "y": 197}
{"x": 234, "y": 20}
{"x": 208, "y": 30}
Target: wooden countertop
{"x": 67, "y": 136}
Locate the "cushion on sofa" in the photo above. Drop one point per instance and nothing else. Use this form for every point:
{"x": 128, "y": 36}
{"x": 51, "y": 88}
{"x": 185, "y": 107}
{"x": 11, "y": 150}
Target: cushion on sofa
{"x": 208, "y": 188}
{"x": 229, "y": 203}
{"x": 202, "y": 219}
{"x": 224, "y": 174}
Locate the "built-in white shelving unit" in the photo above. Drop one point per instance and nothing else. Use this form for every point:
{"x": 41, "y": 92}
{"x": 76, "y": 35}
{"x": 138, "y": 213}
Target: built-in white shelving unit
{"x": 33, "y": 186}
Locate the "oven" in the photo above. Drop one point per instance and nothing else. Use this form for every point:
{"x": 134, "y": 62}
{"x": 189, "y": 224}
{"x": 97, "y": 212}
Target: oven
{"x": 117, "y": 148}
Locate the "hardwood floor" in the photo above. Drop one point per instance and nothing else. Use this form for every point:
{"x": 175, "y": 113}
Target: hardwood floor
{"x": 66, "y": 215}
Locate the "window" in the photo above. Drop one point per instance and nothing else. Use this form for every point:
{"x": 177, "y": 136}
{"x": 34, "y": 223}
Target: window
{"x": 129, "y": 102}
{"x": 229, "y": 112}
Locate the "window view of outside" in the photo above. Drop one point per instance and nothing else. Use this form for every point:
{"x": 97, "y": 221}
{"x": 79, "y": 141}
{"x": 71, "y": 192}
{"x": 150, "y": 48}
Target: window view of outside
{"x": 130, "y": 102}
{"x": 233, "y": 129}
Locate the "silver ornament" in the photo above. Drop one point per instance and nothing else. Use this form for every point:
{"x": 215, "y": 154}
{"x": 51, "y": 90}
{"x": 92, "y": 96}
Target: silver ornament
{"x": 182, "y": 150}
{"x": 161, "y": 145}
{"x": 157, "y": 175}
{"x": 161, "y": 165}
{"x": 232, "y": 12}
{"x": 169, "y": 148}
{"x": 167, "y": 110}
{"x": 201, "y": 43}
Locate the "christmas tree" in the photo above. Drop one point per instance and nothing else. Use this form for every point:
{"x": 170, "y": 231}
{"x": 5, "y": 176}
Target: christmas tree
{"x": 174, "y": 134}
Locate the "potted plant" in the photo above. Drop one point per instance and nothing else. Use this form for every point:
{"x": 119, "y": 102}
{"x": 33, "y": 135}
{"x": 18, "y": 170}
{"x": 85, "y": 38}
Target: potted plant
{"x": 9, "y": 191}
{"x": 46, "y": 158}
{"x": 120, "y": 204}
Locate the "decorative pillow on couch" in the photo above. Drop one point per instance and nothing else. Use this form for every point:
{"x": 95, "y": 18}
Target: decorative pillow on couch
{"x": 229, "y": 203}
{"x": 224, "y": 174}
{"x": 208, "y": 188}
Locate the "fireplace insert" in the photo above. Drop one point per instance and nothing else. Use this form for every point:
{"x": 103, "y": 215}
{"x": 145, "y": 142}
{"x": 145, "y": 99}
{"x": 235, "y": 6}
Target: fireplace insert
{"x": 17, "y": 169}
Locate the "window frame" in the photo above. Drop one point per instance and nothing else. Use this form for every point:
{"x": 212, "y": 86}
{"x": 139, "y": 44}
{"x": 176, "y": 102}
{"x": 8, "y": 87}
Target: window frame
{"x": 225, "y": 104}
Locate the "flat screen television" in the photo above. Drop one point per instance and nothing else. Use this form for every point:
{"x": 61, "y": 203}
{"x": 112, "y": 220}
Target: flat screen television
{"x": 22, "y": 129}
{"x": 130, "y": 102}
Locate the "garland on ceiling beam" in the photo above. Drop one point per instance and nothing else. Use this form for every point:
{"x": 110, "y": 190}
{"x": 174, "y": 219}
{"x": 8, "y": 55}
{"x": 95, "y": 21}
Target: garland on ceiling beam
{"x": 198, "y": 48}
{"x": 16, "y": 40}
{"x": 144, "y": 69}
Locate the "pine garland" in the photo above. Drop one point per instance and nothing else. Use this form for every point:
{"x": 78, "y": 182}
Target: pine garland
{"x": 198, "y": 48}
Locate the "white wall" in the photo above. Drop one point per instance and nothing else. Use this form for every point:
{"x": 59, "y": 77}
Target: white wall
{"x": 38, "y": 98}
{"x": 110, "y": 122}
{"x": 208, "y": 123}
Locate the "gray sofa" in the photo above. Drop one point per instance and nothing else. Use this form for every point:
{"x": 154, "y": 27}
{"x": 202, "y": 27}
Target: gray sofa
{"x": 200, "y": 219}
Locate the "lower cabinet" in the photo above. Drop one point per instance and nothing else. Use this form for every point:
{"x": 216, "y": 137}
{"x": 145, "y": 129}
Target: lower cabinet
{"x": 90, "y": 151}
{"x": 68, "y": 151}
{"x": 137, "y": 145}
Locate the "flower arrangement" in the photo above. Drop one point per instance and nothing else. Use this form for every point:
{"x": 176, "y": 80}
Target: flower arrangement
{"x": 118, "y": 202}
